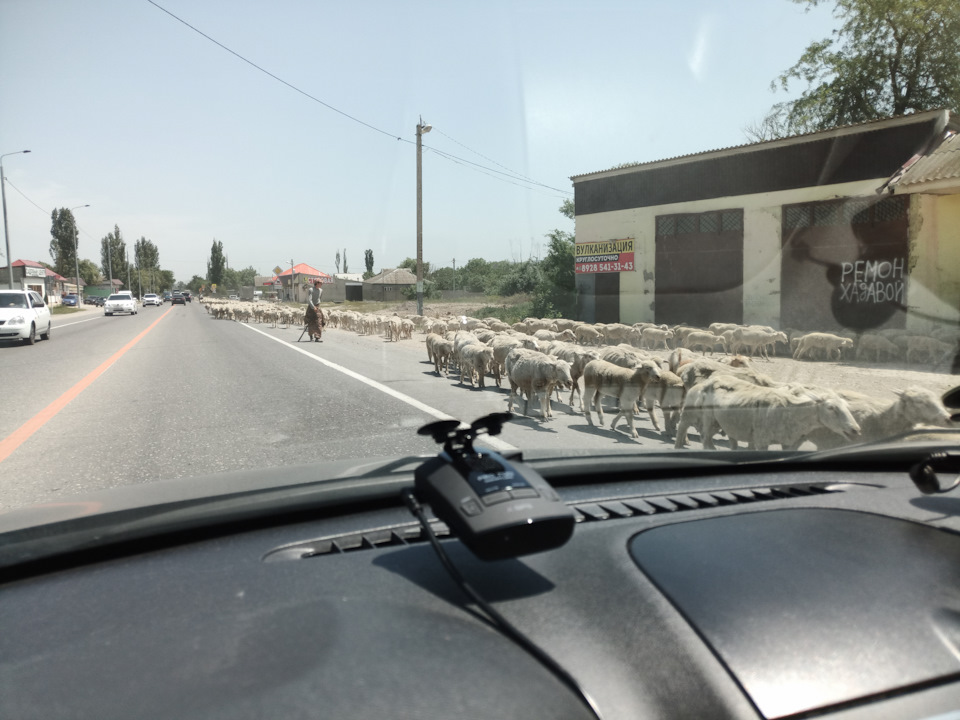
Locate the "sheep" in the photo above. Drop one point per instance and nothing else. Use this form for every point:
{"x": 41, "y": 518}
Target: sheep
{"x": 704, "y": 340}
{"x": 442, "y": 350}
{"x": 533, "y": 373}
{"x": 931, "y": 349}
{"x": 578, "y": 358}
{"x": 827, "y": 342}
{"x": 626, "y": 385}
{"x": 587, "y": 335}
{"x": 756, "y": 338}
{"x": 474, "y": 358}
{"x": 431, "y": 340}
{"x": 667, "y": 391}
{"x": 616, "y": 333}
{"x": 878, "y": 345}
{"x": 702, "y": 369}
{"x": 760, "y": 416}
{"x": 652, "y": 337}
{"x": 880, "y": 419}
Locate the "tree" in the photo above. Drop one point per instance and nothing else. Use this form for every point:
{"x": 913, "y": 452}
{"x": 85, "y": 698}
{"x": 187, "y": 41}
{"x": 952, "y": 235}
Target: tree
{"x": 63, "y": 248}
{"x": 90, "y": 273}
{"x": 113, "y": 255}
{"x": 557, "y": 294}
{"x": 337, "y": 261}
{"x": 567, "y": 209}
{"x": 166, "y": 281}
{"x": 345, "y": 270}
{"x": 216, "y": 264}
{"x": 247, "y": 276}
{"x": 196, "y": 282}
{"x": 889, "y": 57}
{"x": 411, "y": 265}
{"x": 368, "y": 261}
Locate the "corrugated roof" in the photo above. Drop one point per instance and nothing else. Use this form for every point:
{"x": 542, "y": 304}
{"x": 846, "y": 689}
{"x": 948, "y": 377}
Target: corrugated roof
{"x": 304, "y": 269}
{"x": 400, "y": 276}
{"x": 793, "y": 139}
{"x": 942, "y": 164}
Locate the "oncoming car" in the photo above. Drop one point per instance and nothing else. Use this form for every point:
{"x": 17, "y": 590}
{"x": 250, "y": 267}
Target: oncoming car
{"x": 151, "y": 299}
{"x": 120, "y": 303}
{"x": 23, "y": 315}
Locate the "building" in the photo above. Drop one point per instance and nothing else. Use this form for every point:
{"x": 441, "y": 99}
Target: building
{"x": 30, "y": 275}
{"x": 295, "y": 281}
{"x": 388, "y": 285}
{"x": 847, "y": 228}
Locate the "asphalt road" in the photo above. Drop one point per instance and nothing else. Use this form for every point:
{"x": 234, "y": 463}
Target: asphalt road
{"x": 173, "y": 393}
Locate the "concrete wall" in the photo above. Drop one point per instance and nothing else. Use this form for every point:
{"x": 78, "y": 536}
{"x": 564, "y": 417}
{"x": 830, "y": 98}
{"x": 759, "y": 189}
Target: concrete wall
{"x": 933, "y": 290}
{"x": 761, "y": 245}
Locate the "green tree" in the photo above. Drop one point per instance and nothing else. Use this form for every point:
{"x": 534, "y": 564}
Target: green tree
{"x": 568, "y": 209}
{"x": 247, "y": 276}
{"x": 165, "y": 281}
{"x": 196, "y": 282}
{"x": 113, "y": 255}
{"x": 557, "y": 294}
{"x": 411, "y": 265}
{"x": 90, "y": 272}
{"x": 230, "y": 280}
{"x": 888, "y": 57}
{"x": 336, "y": 261}
{"x": 216, "y": 264}
{"x": 368, "y": 261}
{"x": 345, "y": 270}
{"x": 443, "y": 278}
{"x": 63, "y": 239}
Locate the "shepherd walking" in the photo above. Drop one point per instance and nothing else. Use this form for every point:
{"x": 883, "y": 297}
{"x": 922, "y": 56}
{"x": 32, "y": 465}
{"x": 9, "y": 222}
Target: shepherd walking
{"x": 314, "y": 316}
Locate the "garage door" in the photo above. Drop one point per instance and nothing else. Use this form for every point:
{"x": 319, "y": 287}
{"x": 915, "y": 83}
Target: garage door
{"x": 844, "y": 264}
{"x": 699, "y": 268}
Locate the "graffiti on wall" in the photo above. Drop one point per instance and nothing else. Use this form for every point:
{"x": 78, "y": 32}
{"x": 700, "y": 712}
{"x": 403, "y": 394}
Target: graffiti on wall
{"x": 873, "y": 281}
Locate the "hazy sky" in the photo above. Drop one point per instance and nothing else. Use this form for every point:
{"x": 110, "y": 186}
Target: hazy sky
{"x": 173, "y": 138}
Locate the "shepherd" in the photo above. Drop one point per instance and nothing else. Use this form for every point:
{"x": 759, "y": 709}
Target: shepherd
{"x": 314, "y": 316}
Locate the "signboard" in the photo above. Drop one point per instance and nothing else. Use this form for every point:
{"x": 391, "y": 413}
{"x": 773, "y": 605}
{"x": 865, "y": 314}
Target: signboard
{"x": 608, "y": 256}
{"x": 277, "y": 270}
{"x": 34, "y": 272}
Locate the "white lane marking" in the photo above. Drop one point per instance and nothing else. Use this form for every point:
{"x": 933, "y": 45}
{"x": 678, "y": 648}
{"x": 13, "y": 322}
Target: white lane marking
{"x": 77, "y": 322}
{"x": 494, "y": 443}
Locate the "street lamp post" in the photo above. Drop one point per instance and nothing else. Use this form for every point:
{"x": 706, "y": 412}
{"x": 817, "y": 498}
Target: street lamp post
{"x": 421, "y": 129}
{"x": 6, "y": 232}
{"x": 76, "y": 253}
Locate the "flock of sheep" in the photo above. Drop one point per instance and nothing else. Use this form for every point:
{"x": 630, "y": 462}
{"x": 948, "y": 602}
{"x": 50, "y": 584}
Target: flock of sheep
{"x": 725, "y": 394}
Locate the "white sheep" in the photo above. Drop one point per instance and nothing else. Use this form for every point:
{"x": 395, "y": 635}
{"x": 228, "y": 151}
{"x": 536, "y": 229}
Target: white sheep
{"x": 760, "y": 416}
{"x": 602, "y": 378}
{"x": 827, "y": 342}
{"x": 878, "y": 345}
{"x": 533, "y": 373}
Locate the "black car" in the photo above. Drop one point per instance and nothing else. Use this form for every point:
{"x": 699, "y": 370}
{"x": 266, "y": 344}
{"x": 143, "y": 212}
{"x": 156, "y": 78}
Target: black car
{"x": 187, "y": 296}
{"x": 178, "y": 299}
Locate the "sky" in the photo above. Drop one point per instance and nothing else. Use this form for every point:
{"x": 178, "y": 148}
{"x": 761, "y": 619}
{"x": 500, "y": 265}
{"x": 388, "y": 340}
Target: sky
{"x": 169, "y": 136}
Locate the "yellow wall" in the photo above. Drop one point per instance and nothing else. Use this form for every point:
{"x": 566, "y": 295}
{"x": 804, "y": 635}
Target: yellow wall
{"x": 933, "y": 292}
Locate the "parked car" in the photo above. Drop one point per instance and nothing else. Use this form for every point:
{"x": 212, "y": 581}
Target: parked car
{"x": 23, "y": 314}
{"x": 234, "y": 297}
{"x": 151, "y": 299}
{"x": 120, "y": 303}
{"x": 69, "y": 300}
{"x": 90, "y": 300}
{"x": 178, "y": 299}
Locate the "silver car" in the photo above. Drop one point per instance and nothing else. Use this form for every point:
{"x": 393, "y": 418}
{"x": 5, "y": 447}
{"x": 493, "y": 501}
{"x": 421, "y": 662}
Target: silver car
{"x": 120, "y": 303}
{"x": 151, "y": 299}
{"x": 23, "y": 314}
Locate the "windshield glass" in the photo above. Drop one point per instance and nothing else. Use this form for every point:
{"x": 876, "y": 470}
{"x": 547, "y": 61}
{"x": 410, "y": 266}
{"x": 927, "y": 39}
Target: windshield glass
{"x": 371, "y": 224}
{"x": 13, "y": 300}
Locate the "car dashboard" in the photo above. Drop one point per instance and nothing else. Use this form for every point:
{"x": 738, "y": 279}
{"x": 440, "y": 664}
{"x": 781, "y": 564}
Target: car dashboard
{"x": 772, "y": 590}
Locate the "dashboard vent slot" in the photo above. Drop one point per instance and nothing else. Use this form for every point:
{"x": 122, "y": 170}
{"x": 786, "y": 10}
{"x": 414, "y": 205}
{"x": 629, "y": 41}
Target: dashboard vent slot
{"x": 655, "y": 504}
{"x": 410, "y": 533}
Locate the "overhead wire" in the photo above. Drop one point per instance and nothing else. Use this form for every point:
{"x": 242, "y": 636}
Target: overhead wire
{"x": 448, "y": 156}
{"x": 47, "y": 213}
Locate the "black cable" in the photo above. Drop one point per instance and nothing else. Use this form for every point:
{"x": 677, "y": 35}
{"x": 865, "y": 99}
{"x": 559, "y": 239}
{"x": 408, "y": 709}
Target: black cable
{"x": 502, "y": 624}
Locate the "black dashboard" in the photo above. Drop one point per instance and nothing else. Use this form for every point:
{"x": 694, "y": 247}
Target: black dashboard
{"x": 766, "y": 592}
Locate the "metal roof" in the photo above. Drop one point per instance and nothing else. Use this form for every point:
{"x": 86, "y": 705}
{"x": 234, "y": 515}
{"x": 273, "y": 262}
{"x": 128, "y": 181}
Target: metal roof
{"x": 942, "y": 164}
{"x": 399, "y": 276}
{"x": 791, "y": 140}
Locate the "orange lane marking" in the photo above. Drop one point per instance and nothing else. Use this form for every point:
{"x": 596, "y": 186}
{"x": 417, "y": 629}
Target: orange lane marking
{"x": 19, "y": 436}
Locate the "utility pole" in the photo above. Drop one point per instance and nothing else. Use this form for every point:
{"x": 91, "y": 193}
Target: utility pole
{"x": 126, "y": 260}
{"x": 421, "y": 129}
{"x": 454, "y": 274}
{"x": 6, "y": 231}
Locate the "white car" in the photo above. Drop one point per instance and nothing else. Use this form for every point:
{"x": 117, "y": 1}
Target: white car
{"x": 120, "y": 303}
{"x": 23, "y": 315}
{"x": 151, "y": 299}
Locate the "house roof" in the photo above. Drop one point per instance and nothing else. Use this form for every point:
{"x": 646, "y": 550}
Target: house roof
{"x": 397, "y": 276}
{"x": 26, "y": 263}
{"x": 943, "y": 115}
{"x": 303, "y": 269}
{"x": 942, "y": 166}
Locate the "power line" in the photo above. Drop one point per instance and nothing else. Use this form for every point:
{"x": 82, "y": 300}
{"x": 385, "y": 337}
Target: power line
{"x": 47, "y": 213}
{"x": 327, "y": 105}
{"x": 466, "y": 163}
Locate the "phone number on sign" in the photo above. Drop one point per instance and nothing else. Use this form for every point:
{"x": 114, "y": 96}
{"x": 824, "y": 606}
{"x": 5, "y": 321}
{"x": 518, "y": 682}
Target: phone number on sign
{"x": 604, "y": 267}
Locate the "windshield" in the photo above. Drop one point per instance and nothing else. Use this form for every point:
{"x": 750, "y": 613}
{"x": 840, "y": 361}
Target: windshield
{"x": 587, "y": 214}
{"x": 13, "y": 300}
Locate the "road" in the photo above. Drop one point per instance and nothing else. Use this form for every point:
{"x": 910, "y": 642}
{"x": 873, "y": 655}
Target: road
{"x": 173, "y": 393}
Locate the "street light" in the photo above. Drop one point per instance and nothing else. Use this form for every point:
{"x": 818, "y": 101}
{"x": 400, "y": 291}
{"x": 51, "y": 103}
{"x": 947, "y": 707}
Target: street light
{"x": 76, "y": 253}
{"x": 421, "y": 129}
{"x": 6, "y": 232}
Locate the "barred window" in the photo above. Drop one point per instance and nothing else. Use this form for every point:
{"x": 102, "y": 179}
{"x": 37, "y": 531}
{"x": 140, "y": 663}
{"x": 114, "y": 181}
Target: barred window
{"x": 706, "y": 223}
{"x": 731, "y": 220}
{"x": 796, "y": 216}
{"x": 828, "y": 214}
{"x": 666, "y": 225}
{"x": 890, "y": 209}
{"x": 686, "y": 224}
{"x": 709, "y": 222}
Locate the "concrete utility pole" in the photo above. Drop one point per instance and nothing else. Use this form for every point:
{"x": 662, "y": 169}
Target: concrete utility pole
{"x": 454, "y": 274}
{"x": 76, "y": 253}
{"x": 421, "y": 129}
{"x": 6, "y": 232}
